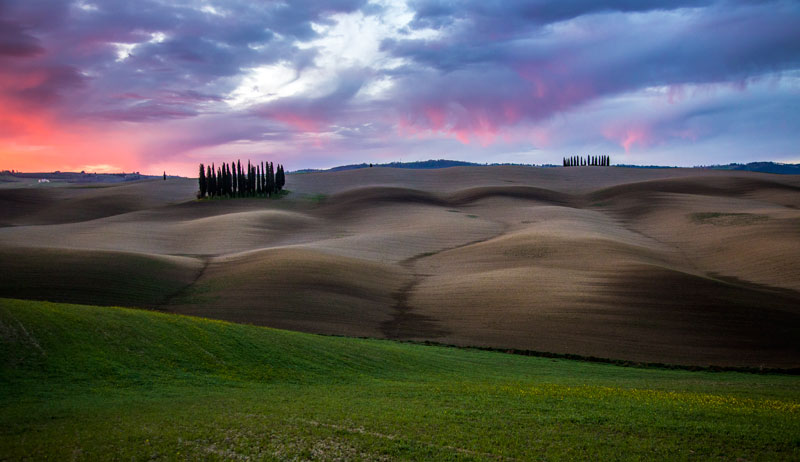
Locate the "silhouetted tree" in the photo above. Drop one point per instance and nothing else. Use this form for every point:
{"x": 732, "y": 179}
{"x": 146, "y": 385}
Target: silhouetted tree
{"x": 281, "y": 178}
{"x": 239, "y": 184}
{"x": 263, "y": 180}
{"x": 202, "y": 180}
{"x": 213, "y": 182}
{"x": 274, "y": 180}
{"x": 233, "y": 180}
{"x": 234, "y": 185}
{"x": 209, "y": 180}
{"x": 228, "y": 181}
{"x": 219, "y": 181}
{"x": 259, "y": 176}
{"x": 270, "y": 180}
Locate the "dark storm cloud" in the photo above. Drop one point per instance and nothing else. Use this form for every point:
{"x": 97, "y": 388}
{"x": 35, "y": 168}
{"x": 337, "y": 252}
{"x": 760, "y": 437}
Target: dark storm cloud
{"x": 471, "y": 80}
{"x": 178, "y": 46}
{"x": 623, "y": 73}
{"x": 498, "y": 16}
{"x": 314, "y": 114}
{"x": 15, "y": 41}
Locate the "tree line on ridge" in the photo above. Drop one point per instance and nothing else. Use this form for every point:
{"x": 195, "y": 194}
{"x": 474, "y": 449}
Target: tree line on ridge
{"x": 233, "y": 180}
{"x": 577, "y": 161}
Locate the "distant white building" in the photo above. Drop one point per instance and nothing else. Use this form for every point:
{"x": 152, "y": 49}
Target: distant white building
{"x": 44, "y": 180}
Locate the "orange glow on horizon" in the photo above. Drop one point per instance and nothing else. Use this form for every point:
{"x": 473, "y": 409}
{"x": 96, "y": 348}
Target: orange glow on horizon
{"x": 35, "y": 140}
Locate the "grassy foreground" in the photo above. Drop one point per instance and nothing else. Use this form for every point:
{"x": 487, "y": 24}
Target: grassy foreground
{"x": 97, "y": 383}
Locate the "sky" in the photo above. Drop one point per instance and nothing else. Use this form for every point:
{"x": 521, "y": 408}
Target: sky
{"x": 150, "y": 85}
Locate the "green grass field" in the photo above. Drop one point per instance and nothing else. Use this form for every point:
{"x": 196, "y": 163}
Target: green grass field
{"x": 96, "y": 383}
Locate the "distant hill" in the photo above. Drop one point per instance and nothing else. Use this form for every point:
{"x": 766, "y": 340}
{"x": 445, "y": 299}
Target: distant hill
{"x": 763, "y": 167}
{"x": 75, "y": 177}
{"x": 421, "y": 164}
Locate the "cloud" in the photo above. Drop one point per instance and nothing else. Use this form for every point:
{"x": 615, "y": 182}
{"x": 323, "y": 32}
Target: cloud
{"x": 471, "y": 81}
{"x": 14, "y": 41}
{"x": 341, "y": 81}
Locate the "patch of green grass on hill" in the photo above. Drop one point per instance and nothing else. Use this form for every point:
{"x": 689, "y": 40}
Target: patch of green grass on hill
{"x": 92, "y": 276}
{"x": 98, "y": 383}
{"x": 317, "y": 198}
{"x": 726, "y": 219}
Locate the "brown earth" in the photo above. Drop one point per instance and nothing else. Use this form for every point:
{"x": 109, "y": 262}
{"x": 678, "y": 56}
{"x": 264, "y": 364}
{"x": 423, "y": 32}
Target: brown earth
{"x": 683, "y": 266}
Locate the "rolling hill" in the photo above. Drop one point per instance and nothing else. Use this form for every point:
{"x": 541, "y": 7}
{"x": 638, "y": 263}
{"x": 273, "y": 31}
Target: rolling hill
{"x": 677, "y": 266}
{"x": 103, "y": 383}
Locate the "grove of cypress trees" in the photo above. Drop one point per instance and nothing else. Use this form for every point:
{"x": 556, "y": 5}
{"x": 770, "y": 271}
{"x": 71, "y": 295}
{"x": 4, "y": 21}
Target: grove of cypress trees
{"x": 258, "y": 180}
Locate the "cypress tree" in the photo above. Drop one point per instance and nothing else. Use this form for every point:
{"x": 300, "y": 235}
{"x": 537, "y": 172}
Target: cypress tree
{"x": 223, "y": 189}
{"x": 227, "y": 172}
{"x": 272, "y": 178}
{"x": 249, "y": 179}
{"x": 259, "y": 174}
{"x": 242, "y": 185}
{"x": 225, "y": 179}
{"x": 202, "y": 180}
{"x": 281, "y": 178}
{"x": 263, "y": 179}
{"x": 213, "y": 180}
{"x": 209, "y": 180}
{"x": 239, "y": 177}
{"x": 217, "y": 182}
{"x": 228, "y": 181}
{"x": 234, "y": 179}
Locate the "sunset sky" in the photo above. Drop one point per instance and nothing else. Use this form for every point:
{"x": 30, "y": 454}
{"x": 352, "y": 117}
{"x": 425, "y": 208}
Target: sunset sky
{"x": 145, "y": 85}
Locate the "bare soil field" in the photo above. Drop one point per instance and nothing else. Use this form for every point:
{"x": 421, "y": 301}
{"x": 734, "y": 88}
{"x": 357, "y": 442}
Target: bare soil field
{"x": 680, "y": 266}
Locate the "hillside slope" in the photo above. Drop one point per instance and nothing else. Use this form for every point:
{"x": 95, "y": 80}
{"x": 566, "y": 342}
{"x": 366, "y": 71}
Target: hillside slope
{"x": 102, "y": 383}
{"x": 681, "y": 266}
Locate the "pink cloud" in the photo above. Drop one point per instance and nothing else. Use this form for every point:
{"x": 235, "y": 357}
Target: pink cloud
{"x": 629, "y": 136}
